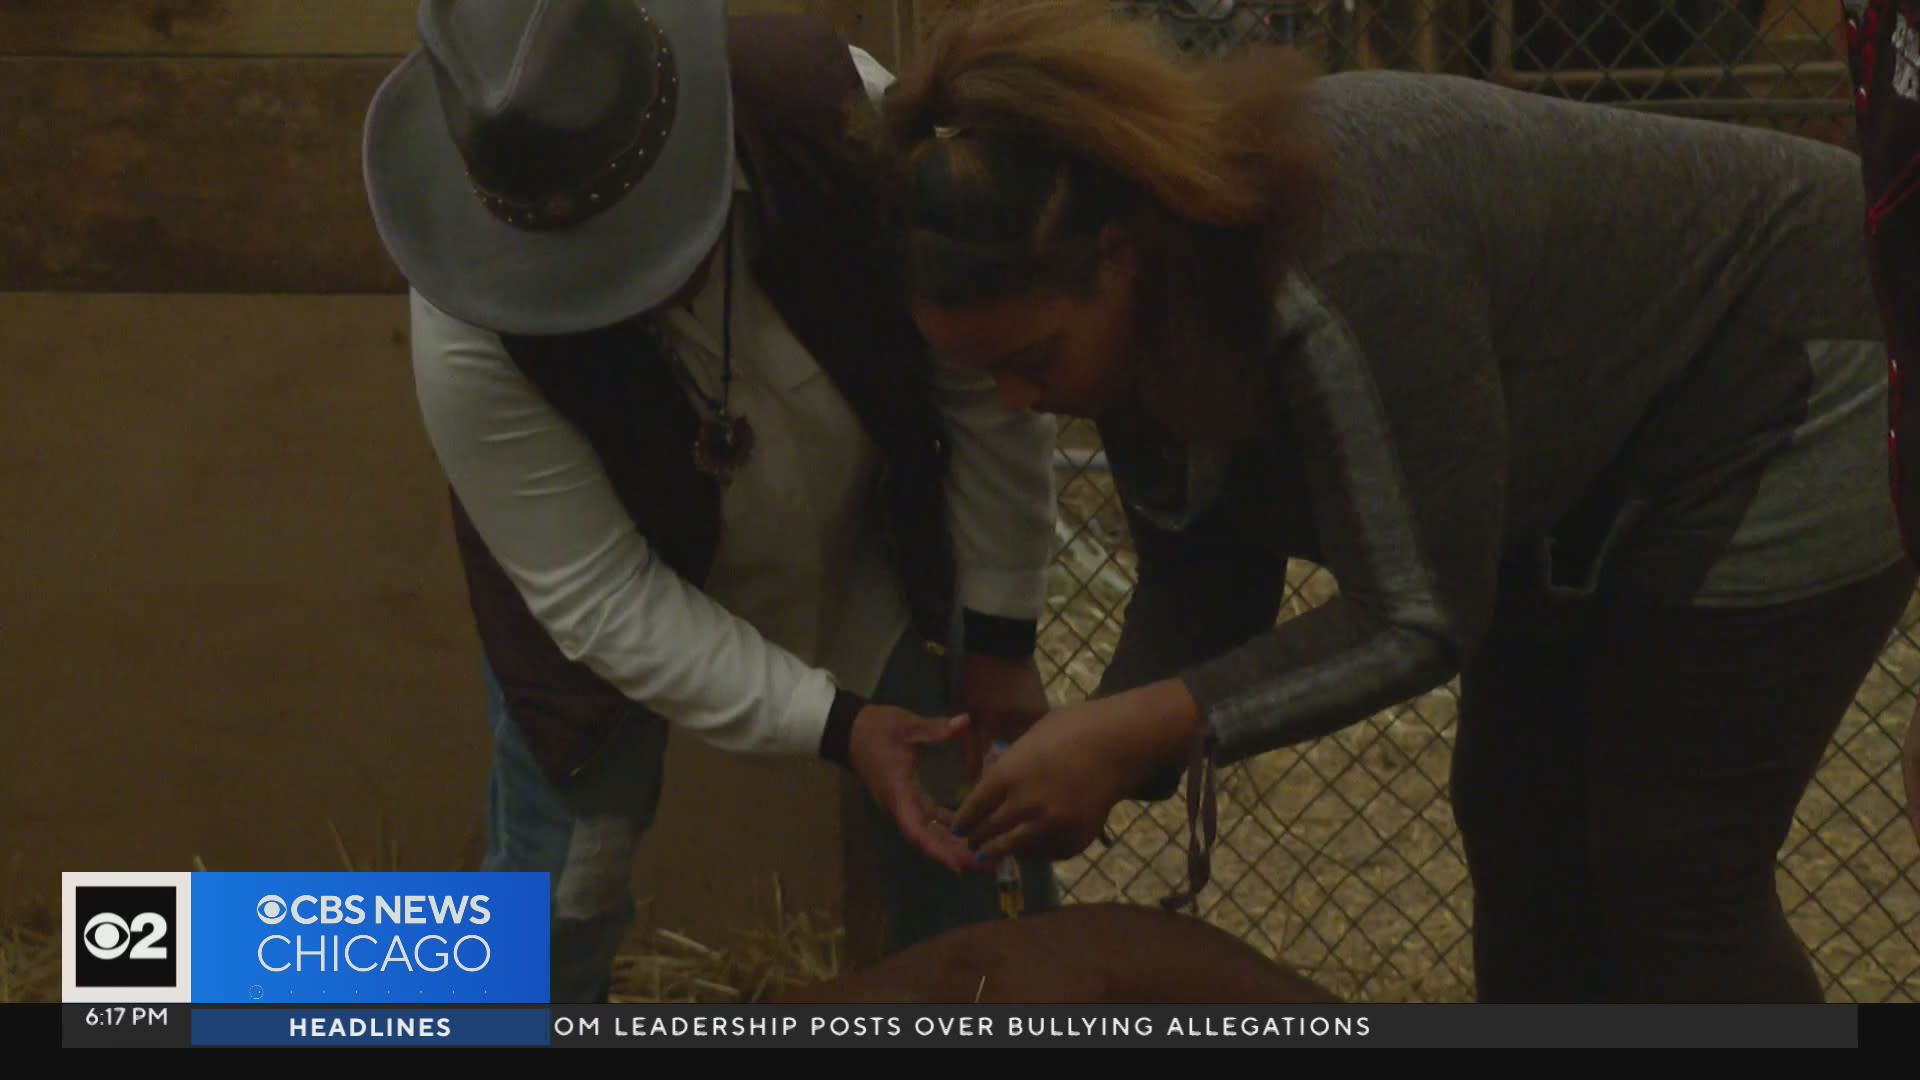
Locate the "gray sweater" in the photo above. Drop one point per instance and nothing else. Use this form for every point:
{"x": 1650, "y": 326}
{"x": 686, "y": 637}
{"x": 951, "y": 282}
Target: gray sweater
{"x": 1648, "y": 342}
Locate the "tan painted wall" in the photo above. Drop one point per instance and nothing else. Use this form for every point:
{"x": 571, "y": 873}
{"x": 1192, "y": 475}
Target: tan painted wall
{"x": 230, "y": 611}
{"x": 233, "y": 615}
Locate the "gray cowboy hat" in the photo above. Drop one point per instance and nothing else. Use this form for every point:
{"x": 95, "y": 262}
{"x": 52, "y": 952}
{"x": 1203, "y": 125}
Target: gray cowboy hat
{"x": 552, "y": 166}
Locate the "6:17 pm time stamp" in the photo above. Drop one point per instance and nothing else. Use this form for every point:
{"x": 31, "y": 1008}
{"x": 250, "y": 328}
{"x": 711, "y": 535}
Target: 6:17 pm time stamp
{"x": 85, "y": 1025}
{"x": 126, "y": 1016}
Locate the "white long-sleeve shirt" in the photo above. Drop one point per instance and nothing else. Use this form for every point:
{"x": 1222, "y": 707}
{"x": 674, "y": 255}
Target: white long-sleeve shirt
{"x": 799, "y": 599}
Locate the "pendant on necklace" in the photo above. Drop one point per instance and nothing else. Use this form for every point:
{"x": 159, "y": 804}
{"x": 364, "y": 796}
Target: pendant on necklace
{"x": 722, "y": 447}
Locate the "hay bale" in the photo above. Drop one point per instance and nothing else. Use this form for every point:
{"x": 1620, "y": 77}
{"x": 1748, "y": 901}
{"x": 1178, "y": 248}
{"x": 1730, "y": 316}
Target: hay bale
{"x": 661, "y": 966}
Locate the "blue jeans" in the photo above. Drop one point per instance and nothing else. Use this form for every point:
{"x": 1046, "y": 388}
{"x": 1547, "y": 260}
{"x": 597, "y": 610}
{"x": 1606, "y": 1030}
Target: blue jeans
{"x": 586, "y": 835}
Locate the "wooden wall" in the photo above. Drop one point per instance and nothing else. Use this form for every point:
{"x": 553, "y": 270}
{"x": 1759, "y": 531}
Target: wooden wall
{"x": 230, "y": 614}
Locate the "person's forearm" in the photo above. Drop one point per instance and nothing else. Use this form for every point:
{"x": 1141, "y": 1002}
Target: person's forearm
{"x": 550, "y": 519}
{"x": 1312, "y": 676}
{"x": 671, "y": 647}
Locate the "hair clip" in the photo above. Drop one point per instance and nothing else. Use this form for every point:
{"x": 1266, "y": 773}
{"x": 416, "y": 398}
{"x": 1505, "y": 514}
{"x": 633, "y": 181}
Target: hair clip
{"x": 943, "y": 131}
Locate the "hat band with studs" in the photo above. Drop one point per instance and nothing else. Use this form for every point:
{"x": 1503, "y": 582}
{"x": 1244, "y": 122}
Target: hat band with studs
{"x": 613, "y": 180}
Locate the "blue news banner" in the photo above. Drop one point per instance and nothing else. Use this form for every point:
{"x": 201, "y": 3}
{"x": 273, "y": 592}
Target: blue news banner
{"x": 462, "y": 959}
{"x": 305, "y": 959}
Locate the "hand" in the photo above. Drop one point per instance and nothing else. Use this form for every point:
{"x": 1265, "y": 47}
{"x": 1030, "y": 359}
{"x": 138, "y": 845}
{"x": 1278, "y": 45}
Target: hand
{"x": 1003, "y": 698}
{"x": 1049, "y": 795}
{"x": 1910, "y": 768}
{"x": 885, "y": 752}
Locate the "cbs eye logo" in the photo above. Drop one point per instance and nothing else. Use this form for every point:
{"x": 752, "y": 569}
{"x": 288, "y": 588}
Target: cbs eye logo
{"x": 126, "y": 935}
{"x": 108, "y": 936}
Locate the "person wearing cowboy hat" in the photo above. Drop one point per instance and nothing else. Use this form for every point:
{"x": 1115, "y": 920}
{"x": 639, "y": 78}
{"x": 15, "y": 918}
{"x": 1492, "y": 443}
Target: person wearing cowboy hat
{"x": 704, "y": 473}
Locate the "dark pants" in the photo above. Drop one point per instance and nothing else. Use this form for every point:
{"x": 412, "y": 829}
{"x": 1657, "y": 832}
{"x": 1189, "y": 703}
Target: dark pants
{"x": 1624, "y": 781}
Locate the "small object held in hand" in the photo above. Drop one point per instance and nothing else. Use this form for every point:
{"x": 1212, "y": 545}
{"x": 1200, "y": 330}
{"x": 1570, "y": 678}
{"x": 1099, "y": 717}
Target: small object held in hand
{"x": 1002, "y": 727}
{"x": 1013, "y": 897}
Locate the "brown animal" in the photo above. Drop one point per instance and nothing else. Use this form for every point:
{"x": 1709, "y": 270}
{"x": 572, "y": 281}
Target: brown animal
{"x": 1080, "y": 954}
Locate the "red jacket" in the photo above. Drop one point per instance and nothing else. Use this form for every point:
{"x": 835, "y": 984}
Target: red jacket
{"x": 1883, "y": 55}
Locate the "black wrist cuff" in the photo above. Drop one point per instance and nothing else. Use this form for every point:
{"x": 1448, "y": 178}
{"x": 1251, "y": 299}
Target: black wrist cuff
{"x": 836, "y": 742}
{"x": 994, "y": 635}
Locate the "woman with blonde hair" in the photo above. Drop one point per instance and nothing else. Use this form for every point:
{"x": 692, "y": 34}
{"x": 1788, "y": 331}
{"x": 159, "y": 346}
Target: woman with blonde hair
{"x": 1582, "y": 406}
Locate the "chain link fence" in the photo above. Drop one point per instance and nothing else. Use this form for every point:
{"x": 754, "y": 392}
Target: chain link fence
{"x": 1341, "y": 856}
{"x": 1773, "y": 62}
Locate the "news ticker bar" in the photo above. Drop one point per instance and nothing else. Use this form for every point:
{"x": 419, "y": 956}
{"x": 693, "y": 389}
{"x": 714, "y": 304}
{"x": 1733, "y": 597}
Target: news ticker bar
{"x": 772, "y": 1026}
